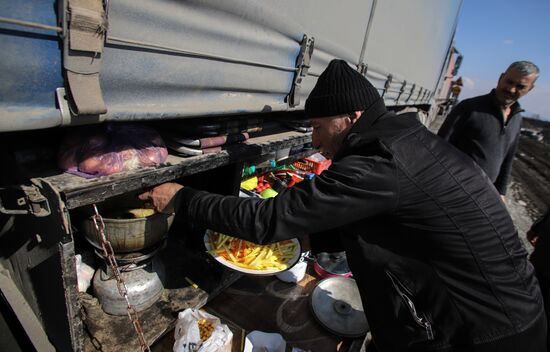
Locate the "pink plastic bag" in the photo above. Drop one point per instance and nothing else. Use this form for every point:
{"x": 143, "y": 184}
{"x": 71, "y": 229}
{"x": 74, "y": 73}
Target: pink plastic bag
{"x": 110, "y": 148}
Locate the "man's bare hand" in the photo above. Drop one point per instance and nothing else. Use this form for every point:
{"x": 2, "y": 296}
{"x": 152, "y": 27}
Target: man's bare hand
{"x": 532, "y": 237}
{"x": 162, "y": 197}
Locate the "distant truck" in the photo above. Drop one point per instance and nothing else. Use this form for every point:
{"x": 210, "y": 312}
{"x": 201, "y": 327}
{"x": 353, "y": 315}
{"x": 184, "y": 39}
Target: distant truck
{"x": 70, "y": 63}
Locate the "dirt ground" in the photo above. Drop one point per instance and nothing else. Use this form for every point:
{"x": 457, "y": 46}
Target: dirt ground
{"x": 528, "y": 195}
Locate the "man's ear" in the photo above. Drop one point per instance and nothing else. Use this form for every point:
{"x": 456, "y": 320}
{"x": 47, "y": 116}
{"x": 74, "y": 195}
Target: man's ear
{"x": 354, "y": 116}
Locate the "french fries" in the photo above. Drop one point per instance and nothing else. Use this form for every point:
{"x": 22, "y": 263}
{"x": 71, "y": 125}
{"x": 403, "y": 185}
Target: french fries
{"x": 205, "y": 329}
{"x": 249, "y": 255}
{"x": 142, "y": 212}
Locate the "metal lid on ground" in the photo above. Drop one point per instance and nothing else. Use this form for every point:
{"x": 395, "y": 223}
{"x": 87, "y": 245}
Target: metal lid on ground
{"x": 336, "y": 304}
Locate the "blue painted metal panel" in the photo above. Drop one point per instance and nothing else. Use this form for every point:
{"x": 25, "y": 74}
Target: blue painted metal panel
{"x": 30, "y": 68}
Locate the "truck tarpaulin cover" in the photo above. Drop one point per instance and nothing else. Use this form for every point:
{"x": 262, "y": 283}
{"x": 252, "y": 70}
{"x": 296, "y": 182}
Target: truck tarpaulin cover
{"x": 110, "y": 148}
{"x": 181, "y": 59}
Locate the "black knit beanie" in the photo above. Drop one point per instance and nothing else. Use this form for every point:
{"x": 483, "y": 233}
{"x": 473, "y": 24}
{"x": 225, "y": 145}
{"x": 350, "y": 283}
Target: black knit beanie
{"x": 340, "y": 90}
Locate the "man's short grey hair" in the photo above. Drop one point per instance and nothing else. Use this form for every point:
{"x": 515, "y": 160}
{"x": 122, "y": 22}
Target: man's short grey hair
{"x": 526, "y": 68}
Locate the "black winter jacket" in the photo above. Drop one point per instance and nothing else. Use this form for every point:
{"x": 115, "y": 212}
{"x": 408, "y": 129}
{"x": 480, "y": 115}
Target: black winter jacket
{"x": 434, "y": 252}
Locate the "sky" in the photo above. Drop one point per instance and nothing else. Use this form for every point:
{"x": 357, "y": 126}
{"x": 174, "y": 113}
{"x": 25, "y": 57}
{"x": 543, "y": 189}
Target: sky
{"x": 492, "y": 34}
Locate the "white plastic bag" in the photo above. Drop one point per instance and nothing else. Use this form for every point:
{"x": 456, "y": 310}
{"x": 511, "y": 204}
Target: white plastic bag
{"x": 264, "y": 341}
{"x": 187, "y": 334}
{"x": 84, "y": 274}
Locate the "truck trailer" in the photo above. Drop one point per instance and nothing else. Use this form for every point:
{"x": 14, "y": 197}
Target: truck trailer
{"x": 73, "y": 65}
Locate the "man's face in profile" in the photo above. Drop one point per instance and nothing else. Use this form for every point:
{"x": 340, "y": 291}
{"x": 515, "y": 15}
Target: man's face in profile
{"x": 328, "y": 133}
{"x": 512, "y": 85}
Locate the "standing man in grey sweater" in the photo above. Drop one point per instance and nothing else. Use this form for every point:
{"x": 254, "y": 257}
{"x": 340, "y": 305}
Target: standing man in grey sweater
{"x": 487, "y": 127}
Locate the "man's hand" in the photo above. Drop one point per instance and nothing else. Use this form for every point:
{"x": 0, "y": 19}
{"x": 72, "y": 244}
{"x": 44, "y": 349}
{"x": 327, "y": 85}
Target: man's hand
{"x": 532, "y": 237}
{"x": 162, "y": 197}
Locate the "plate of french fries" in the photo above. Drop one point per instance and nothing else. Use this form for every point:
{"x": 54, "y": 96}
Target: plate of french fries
{"x": 251, "y": 258}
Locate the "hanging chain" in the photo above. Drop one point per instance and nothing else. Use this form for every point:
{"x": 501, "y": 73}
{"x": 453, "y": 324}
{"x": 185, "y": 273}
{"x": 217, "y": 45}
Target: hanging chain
{"x": 109, "y": 255}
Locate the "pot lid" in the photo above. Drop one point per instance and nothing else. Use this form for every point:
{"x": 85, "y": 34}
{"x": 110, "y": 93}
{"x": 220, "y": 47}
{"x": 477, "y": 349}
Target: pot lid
{"x": 336, "y": 304}
{"x": 334, "y": 263}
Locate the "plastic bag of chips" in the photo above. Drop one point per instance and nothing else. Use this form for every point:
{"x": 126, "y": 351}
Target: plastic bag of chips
{"x": 198, "y": 331}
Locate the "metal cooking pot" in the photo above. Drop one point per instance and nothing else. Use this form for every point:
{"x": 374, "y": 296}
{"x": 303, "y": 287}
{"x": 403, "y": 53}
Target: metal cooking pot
{"x": 331, "y": 264}
{"x": 129, "y": 235}
{"x": 142, "y": 282}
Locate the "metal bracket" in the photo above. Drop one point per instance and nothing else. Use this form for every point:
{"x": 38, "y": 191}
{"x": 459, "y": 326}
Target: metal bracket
{"x": 362, "y": 68}
{"x": 401, "y": 90}
{"x": 64, "y": 109}
{"x": 302, "y": 66}
{"x": 31, "y": 202}
{"x": 411, "y": 93}
{"x": 426, "y": 91}
{"x": 387, "y": 84}
{"x": 418, "y": 95}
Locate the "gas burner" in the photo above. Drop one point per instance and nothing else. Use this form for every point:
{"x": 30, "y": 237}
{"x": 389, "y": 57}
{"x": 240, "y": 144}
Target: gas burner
{"x": 142, "y": 257}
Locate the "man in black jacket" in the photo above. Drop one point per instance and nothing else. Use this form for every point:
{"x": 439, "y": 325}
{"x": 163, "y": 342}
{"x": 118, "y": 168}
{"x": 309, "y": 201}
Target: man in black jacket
{"x": 436, "y": 257}
{"x": 487, "y": 127}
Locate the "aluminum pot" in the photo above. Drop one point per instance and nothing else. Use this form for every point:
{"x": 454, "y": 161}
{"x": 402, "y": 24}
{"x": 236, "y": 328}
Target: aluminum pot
{"x": 142, "y": 282}
{"x": 331, "y": 264}
{"x": 129, "y": 235}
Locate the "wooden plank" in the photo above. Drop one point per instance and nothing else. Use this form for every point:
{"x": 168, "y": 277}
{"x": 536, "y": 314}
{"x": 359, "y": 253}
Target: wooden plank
{"x": 78, "y": 191}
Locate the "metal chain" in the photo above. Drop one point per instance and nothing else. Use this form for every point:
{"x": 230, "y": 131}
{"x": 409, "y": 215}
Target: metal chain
{"x": 109, "y": 255}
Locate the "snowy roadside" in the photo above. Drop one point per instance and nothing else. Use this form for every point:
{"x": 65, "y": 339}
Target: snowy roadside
{"x": 517, "y": 207}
